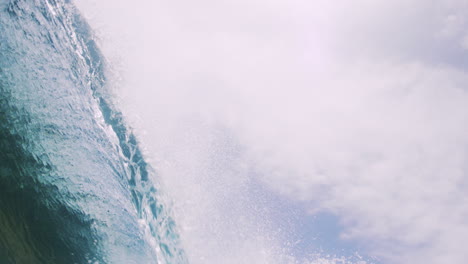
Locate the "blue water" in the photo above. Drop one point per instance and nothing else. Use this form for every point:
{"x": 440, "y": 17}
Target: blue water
{"x": 74, "y": 185}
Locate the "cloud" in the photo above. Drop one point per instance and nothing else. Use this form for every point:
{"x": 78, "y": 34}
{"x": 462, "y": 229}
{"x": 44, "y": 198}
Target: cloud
{"x": 354, "y": 108}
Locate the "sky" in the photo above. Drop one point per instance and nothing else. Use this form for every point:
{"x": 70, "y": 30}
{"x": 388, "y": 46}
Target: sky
{"x": 311, "y": 132}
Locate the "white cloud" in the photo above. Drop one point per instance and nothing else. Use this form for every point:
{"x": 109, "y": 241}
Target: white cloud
{"x": 357, "y": 108}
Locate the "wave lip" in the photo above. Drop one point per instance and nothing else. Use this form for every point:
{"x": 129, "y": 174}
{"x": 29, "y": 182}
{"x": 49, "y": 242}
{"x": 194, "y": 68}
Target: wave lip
{"x": 74, "y": 186}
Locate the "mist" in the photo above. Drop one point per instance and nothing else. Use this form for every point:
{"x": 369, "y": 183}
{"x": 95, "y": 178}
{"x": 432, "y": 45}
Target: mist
{"x": 354, "y": 109}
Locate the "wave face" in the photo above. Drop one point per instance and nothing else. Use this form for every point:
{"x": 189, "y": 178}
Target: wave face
{"x": 74, "y": 186}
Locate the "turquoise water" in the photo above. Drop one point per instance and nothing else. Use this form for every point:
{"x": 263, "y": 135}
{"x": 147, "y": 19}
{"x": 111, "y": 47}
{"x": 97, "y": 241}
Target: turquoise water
{"x": 74, "y": 185}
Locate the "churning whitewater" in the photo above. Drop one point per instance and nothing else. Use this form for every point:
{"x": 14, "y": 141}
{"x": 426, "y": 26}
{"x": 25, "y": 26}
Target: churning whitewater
{"x": 74, "y": 186}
